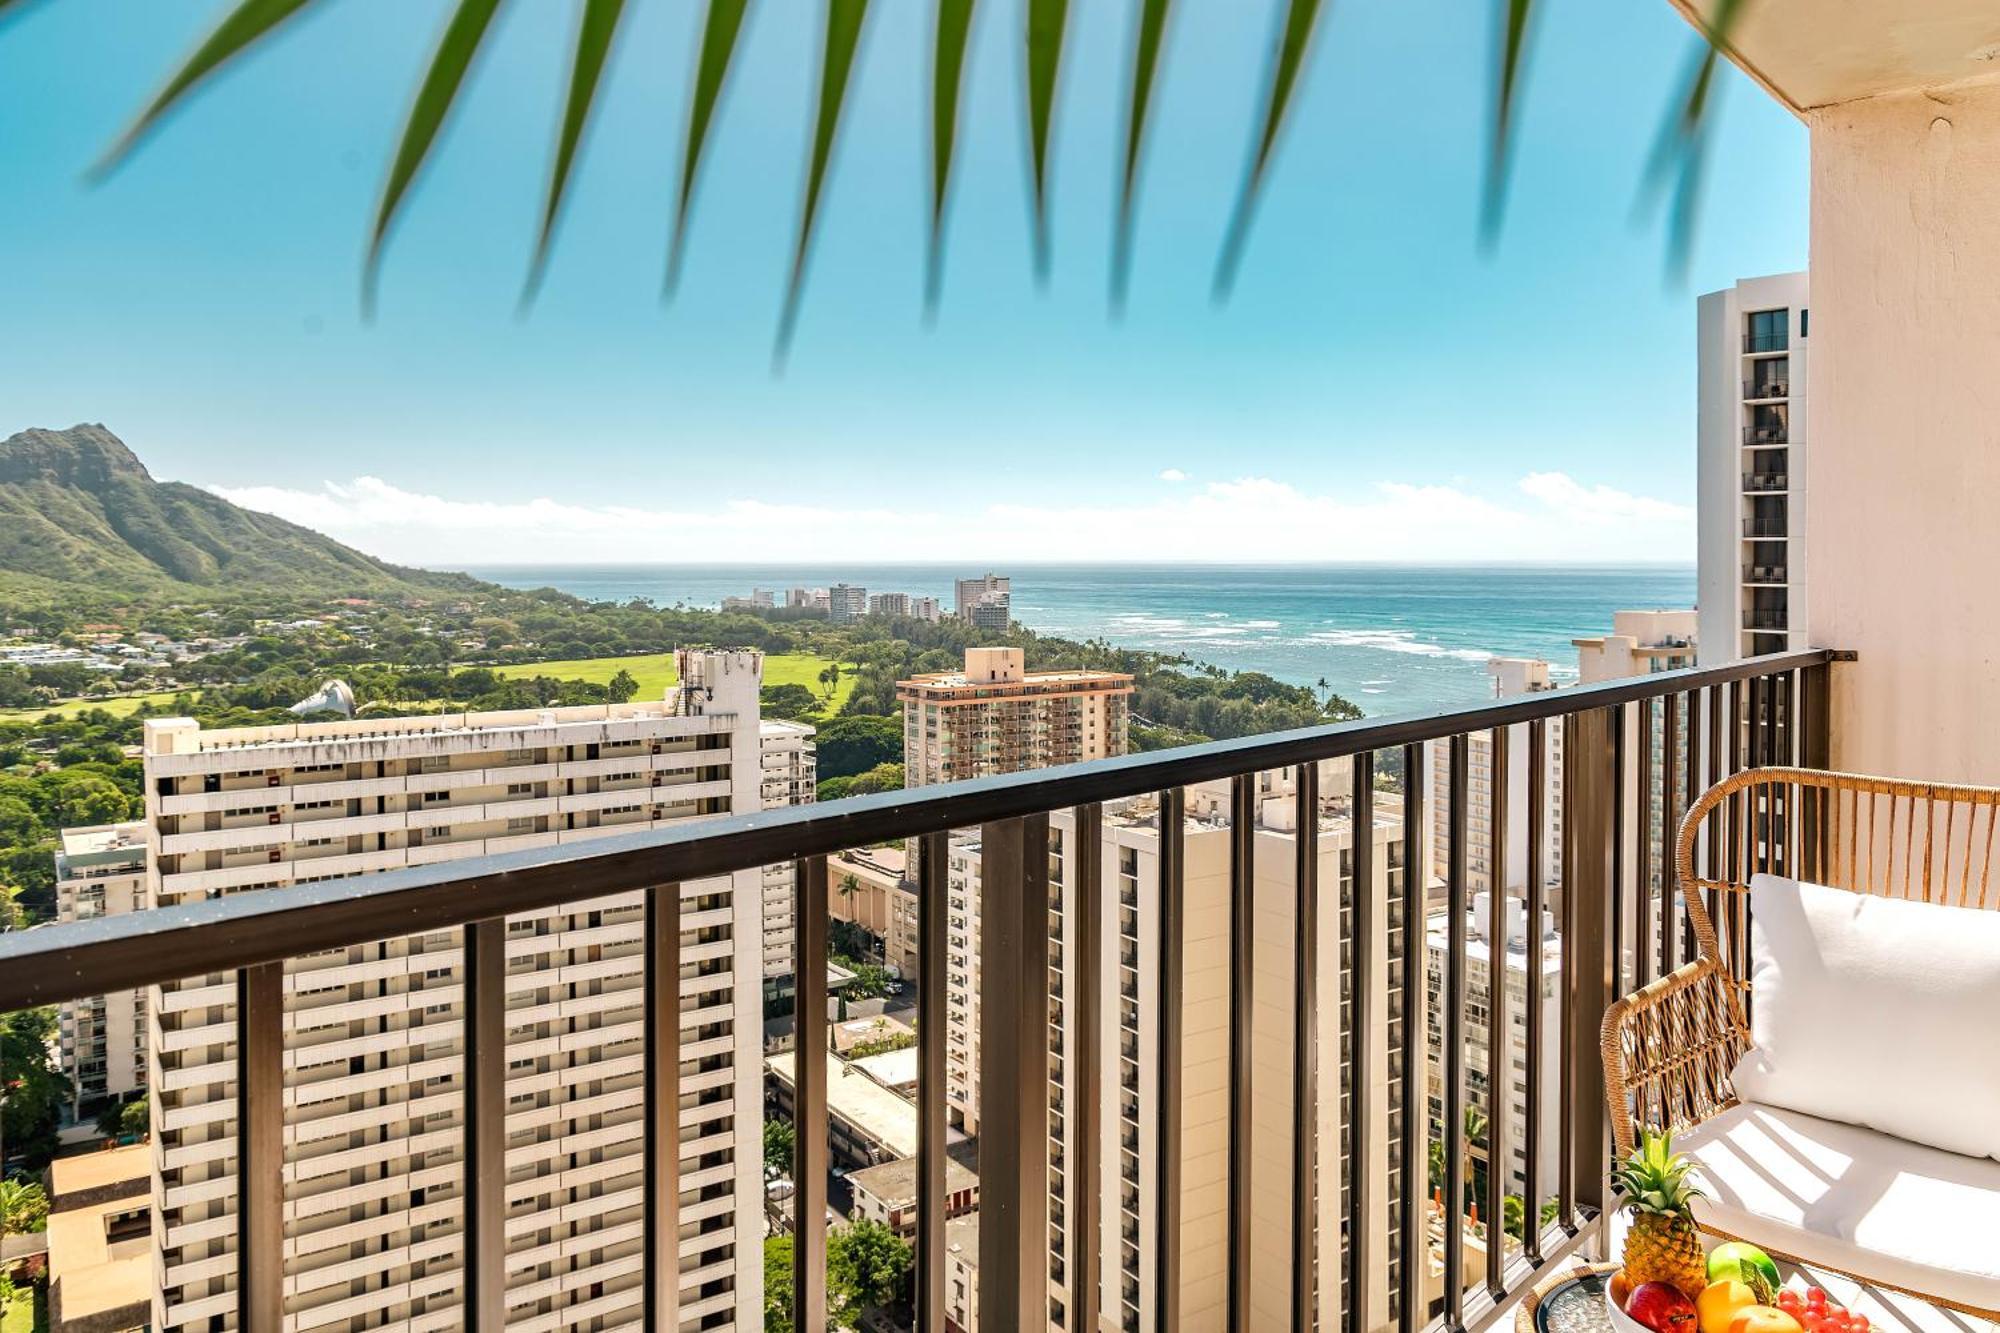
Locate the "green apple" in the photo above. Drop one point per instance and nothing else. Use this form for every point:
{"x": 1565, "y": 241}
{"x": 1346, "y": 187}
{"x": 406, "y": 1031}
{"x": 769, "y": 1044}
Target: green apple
{"x": 1746, "y": 1264}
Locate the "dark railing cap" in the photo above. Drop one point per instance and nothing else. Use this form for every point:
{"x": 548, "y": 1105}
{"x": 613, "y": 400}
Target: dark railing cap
{"x": 163, "y": 944}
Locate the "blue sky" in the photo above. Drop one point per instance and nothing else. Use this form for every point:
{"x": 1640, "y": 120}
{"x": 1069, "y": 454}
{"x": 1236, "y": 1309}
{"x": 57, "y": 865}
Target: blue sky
{"x": 1377, "y": 386}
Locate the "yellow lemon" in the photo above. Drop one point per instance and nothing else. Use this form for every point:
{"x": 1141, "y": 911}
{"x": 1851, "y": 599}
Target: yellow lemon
{"x": 1763, "y": 1319}
{"x": 1720, "y": 1303}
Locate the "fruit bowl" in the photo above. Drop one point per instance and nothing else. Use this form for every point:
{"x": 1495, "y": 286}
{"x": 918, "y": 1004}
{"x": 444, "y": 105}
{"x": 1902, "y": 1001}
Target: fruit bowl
{"x": 1799, "y": 1306}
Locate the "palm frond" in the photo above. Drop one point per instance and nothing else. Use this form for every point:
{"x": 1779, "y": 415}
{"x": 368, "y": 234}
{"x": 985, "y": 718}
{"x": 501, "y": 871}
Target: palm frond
{"x": 455, "y": 53}
{"x": 1294, "y": 40}
{"x": 246, "y": 25}
{"x": 1048, "y": 24}
{"x": 1516, "y": 17}
{"x": 718, "y": 44}
{"x": 1682, "y": 145}
{"x": 843, "y": 35}
{"x": 595, "y": 33}
{"x": 954, "y": 30}
{"x": 1146, "y": 41}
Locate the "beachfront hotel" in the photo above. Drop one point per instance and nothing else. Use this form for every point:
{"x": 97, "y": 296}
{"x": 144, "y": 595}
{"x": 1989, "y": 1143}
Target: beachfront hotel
{"x": 374, "y": 1148}
{"x": 995, "y": 716}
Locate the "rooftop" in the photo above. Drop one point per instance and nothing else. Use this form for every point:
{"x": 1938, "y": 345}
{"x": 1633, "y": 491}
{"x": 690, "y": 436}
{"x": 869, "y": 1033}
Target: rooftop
{"x": 102, "y": 839}
{"x": 892, "y": 1069}
{"x": 97, "y": 1274}
{"x": 895, "y": 1183}
{"x": 861, "y": 1102}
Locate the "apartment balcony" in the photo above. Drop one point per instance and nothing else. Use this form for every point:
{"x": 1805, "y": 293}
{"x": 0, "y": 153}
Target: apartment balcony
{"x": 1766, "y": 342}
{"x": 1766, "y": 433}
{"x": 1645, "y": 735}
{"x": 1764, "y": 620}
{"x": 1766, "y": 481}
{"x": 1764, "y": 574}
{"x": 1764, "y": 529}
{"x": 1766, "y": 391}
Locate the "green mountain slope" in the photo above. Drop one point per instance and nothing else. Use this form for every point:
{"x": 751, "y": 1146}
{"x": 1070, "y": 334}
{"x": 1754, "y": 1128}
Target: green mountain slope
{"x": 78, "y": 507}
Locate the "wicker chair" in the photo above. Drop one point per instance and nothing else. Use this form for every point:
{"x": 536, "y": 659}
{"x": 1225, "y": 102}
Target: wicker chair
{"x": 1669, "y": 1048}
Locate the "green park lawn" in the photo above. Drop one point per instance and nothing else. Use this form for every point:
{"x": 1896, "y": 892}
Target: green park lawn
{"x": 118, "y": 707}
{"x": 655, "y": 672}
{"x": 19, "y": 1315}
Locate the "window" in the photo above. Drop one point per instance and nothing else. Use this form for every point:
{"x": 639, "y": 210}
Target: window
{"x": 1766, "y": 331}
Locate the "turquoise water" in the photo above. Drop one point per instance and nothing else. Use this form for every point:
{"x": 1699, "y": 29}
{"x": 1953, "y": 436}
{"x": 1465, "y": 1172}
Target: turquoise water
{"x": 1395, "y": 639}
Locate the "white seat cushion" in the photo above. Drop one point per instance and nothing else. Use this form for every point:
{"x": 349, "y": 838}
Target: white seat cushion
{"x": 1849, "y": 1198}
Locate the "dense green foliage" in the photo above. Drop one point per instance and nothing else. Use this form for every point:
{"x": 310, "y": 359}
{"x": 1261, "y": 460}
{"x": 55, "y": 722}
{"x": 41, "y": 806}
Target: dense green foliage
{"x": 868, "y": 1267}
{"x": 777, "y": 1148}
{"x": 36, "y": 1089}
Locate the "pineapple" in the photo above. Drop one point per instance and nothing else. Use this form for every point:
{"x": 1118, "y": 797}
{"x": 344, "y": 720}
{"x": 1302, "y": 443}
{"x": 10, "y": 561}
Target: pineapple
{"x": 1661, "y": 1245}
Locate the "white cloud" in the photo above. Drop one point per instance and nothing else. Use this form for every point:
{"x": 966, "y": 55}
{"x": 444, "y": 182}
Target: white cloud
{"x": 1546, "y": 516}
{"x": 1173, "y": 474}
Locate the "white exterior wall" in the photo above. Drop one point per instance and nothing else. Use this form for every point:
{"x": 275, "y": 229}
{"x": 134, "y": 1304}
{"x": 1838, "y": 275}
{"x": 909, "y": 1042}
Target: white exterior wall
{"x": 1722, "y": 459}
{"x": 1906, "y": 412}
{"x": 374, "y": 1055}
{"x": 790, "y": 778}
{"x": 103, "y": 1038}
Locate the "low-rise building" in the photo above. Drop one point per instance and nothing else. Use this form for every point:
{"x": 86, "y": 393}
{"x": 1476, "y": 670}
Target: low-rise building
{"x": 1640, "y": 643}
{"x": 866, "y": 1123}
{"x": 100, "y": 1241}
{"x": 871, "y": 888}
{"x": 888, "y": 1193}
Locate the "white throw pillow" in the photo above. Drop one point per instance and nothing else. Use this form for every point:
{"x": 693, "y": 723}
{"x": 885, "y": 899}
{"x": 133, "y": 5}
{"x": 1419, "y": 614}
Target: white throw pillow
{"x": 1879, "y": 1012}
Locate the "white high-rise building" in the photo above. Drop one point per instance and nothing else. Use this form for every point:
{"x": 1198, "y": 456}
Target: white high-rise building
{"x": 1482, "y": 960}
{"x": 374, "y": 1056}
{"x": 101, "y": 871}
{"x": 986, "y": 602}
{"x": 1129, "y": 964}
{"x": 1752, "y": 467}
{"x": 846, "y": 602}
{"x": 790, "y": 778}
{"x": 1512, "y": 677}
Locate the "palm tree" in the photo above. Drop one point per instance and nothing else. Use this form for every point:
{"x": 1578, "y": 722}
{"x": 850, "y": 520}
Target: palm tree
{"x": 1045, "y": 28}
{"x": 23, "y": 1206}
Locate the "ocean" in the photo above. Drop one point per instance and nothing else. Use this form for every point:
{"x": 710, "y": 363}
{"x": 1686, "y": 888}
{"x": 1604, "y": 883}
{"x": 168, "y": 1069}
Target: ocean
{"x": 1393, "y": 638}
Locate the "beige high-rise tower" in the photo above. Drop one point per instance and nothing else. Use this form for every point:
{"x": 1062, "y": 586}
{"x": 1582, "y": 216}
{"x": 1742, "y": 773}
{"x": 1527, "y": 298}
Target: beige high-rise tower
{"x": 374, "y": 1060}
{"x": 995, "y": 716}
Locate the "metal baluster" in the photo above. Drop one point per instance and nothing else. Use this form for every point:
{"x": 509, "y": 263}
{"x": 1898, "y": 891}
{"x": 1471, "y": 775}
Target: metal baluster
{"x": 1499, "y": 1047}
{"x": 1670, "y": 742}
{"x": 1531, "y": 1186}
{"x": 809, "y": 1141}
{"x": 1651, "y": 874}
{"x": 1413, "y": 1312}
{"x": 1452, "y": 1027}
{"x": 1618, "y": 856}
{"x": 260, "y": 1146}
{"x": 1087, "y": 1114}
{"x": 1014, "y": 1073}
{"x": 486, "y": 1123}
{"x": 933, "y": 966}
{"x": 1305, "y": 1047}
{"x": 1173, "y": 965}
{"x": 1242, "y": 1011}
{"x": 663, "y": 1107}
{"x": 1366, "y": 1118}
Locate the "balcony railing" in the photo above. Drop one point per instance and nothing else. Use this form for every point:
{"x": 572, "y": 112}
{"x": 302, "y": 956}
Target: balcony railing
{"x": 1764, "y": 574}
{"x": 1769, "y": 620}
{"x": 1770, "y": 433}
{"x": 1765, "y": 481}
{"x": 1754, "y": 390}
{"x": 1764, "y": 528}
{"x": 1656, "y": 739}
{"x": 1766, "y": 342}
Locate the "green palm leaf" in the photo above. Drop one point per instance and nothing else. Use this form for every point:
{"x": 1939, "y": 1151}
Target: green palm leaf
{"x": 954, "y": 28}
{"x": 843, "y": 36}
{"x": 248, "y": 23}
{"x": 455, "y": 52}
{"x": 1294, "y": 39}
{"x": 1516, "y": 16}
{"x": 1048, "y": 21}
{"x": 1152, "y": 27}
{"x": 595, "y": 33}
{"x": 1683, "y": 139}
{"x": 718, "y": 44}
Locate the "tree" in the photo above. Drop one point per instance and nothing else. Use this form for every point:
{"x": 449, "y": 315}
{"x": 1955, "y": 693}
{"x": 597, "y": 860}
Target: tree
{"x": 870, "y": 980}
{"x": 24, "y": 1207}
{"x": 622, "y": 687}
{"x": 125, "y": 1119}
{"x": 789, "y": 701}
{"x": 869, "y": 1264}
{"x": 850, "y": 745}
{"x": 36, "y": 1090}
{"x": 778, "y": 1284}
{"x": 829, "y": 676}
{"x": 778, "y": 1142}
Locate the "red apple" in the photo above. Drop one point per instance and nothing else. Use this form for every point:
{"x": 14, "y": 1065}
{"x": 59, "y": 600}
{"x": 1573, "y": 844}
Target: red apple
{"x": 1662, "y": 1307}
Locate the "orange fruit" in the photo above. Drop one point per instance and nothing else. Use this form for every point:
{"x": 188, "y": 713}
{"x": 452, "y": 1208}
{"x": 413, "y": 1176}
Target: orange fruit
{"x": 1720, "y": 1303}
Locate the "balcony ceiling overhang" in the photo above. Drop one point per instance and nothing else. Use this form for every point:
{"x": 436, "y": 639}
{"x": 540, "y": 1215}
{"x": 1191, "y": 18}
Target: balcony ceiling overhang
{"x": 1815, "y": 53}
